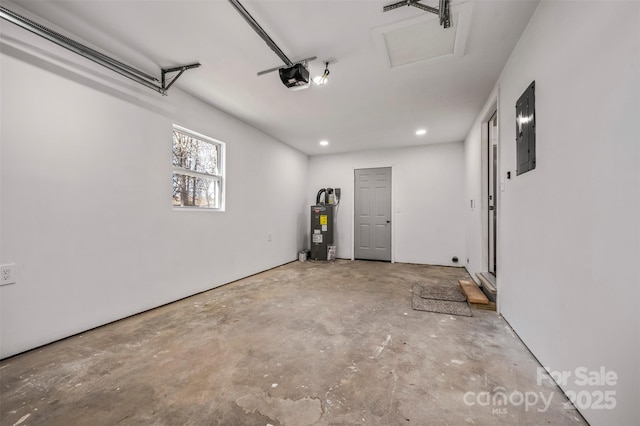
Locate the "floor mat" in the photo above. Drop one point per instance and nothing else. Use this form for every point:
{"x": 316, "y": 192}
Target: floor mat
{"x": 436, "y": 299}
{"x": 438, "y": 290}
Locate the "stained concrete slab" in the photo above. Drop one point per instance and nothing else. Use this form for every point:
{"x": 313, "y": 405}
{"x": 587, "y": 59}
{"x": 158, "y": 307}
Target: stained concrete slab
{"x": 303, "y": 344}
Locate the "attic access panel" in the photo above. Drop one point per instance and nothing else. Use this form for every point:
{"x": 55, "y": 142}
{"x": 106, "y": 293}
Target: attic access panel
{"x": 419, "y": 42}
{"x": 526, "y": 130}
{"x": 421, "y": 39}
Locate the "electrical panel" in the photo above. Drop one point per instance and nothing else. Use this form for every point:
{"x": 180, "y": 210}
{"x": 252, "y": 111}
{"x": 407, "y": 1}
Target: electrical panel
{"x": 526, "y": 130}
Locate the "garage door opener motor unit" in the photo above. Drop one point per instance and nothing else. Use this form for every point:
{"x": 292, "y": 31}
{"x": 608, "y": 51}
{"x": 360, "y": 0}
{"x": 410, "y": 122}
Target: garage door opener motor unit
{"x": 323, "y": 216}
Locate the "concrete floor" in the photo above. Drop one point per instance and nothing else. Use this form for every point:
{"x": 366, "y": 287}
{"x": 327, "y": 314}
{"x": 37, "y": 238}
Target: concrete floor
{"x": 306, "y": 343}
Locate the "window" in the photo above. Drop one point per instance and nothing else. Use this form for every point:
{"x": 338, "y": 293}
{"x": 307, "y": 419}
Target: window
{"x": 198, "y": 170}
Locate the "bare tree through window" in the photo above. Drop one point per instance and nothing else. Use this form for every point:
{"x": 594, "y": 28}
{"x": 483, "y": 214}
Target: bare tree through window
{"x": 197, "y": 178}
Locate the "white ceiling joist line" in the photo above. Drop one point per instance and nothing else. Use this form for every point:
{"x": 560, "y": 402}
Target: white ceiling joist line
{"x": 442, "y": 11}
{"x": 161, "y": 85}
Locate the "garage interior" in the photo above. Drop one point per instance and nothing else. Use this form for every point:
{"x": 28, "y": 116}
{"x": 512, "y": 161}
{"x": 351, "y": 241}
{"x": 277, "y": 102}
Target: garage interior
{"x": 507, "y": 134}
{"x": 301, "y": 344}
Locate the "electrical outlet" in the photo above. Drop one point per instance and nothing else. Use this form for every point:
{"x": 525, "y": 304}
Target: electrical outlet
{"x": 8, "y": 274}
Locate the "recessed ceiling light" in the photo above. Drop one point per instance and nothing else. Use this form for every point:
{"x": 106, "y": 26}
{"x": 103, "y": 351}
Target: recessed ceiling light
{"x": 324, "y": 143}
{"x": 421, "y": 132}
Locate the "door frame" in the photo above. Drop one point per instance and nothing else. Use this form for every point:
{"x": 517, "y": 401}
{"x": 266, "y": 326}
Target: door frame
{"x": 492, "y": 188}
{"x": 353, "y": 209}
{"x": 493, "y": 108}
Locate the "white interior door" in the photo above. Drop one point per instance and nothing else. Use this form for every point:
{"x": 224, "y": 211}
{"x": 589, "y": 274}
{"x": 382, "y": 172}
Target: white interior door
{"x": 372, "y": 223}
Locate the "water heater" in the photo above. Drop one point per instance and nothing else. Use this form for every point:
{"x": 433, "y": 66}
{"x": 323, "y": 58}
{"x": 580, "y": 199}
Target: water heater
{"x": 321, "y": 231}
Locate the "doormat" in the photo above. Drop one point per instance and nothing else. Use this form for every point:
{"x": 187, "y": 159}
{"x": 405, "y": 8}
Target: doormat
{"x": 440, "y": 298}
{"x": 438, "y": 290}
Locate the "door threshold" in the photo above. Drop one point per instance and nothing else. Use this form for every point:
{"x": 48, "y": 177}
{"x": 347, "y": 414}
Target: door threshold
{"x": 488, "y": 282}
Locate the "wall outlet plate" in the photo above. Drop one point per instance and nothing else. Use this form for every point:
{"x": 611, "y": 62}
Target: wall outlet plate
{"x": 8, "y": 274}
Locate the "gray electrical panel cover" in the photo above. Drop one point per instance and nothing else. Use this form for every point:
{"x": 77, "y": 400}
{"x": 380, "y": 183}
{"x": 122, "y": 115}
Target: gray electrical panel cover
{"x": 526, "y": 130}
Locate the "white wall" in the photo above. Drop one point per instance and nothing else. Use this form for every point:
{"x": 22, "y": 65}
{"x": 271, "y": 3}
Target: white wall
{"x": 427, "y": 199}
{"x": 568, "y": 231}
{"x": 86, "y": 197}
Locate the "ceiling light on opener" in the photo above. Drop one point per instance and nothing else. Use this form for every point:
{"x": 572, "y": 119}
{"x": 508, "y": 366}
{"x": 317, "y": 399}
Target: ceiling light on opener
{"x": 323, "y": 79}
{"x": 421, "y": 132}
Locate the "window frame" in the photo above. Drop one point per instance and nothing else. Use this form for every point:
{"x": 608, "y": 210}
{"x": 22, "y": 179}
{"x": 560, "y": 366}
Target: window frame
{"x": 220, "y": 164}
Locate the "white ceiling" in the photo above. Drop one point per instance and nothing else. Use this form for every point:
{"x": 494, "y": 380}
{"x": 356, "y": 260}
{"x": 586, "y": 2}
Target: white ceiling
{"x": 366, "y": 104}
